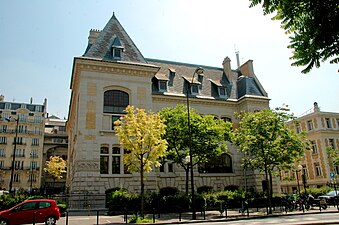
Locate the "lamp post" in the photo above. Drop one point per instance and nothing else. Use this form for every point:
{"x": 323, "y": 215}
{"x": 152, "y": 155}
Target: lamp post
{"x": 198, "y": 70}
{"x": 31, "y": 178}
{"x": 300, "y": 167}
{"x": 14, "y": 151}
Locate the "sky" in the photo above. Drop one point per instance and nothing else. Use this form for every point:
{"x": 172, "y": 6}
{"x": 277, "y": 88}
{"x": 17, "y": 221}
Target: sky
{"x": 39, "y": 40}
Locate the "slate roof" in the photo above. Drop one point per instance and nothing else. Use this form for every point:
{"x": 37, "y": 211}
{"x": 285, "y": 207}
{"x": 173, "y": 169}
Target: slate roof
{"x": 112, "y": 35}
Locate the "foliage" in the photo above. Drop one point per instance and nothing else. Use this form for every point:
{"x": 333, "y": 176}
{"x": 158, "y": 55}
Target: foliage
{"x": 56, "y": 166}
{"x": 313, "y": 26}
{"x": 333, "y": 155}
{"x": 267, "y": 143}
{"x": 140, "y": 134}
{"x": 208, "y": 136}
{"x": 137, "y": 219}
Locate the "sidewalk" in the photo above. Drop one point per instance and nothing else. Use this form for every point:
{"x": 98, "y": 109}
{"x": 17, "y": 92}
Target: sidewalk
{"x": 210, "y": 216}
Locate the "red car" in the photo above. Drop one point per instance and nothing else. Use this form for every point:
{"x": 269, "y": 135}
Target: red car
{"x": 37, "y": 210}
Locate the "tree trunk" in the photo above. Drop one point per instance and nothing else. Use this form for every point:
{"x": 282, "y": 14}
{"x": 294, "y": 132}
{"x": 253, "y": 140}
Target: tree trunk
{"x": 187, "y": 172}
{"x": 269, "y": 210}
{"x": 271, "y": 187}
{"x": 142, "y": 187}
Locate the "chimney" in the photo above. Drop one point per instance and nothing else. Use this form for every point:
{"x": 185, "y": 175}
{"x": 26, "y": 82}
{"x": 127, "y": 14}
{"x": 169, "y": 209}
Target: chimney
{"x": 316, "y": 107}
{"x": 93, "y": 35}
{"x": 31, "y": 101}
{"x": 238, "y": 60}
{"x": 246, "y": 69}
{"x": 2, "y": 98}
{"x": 227, "y": 67}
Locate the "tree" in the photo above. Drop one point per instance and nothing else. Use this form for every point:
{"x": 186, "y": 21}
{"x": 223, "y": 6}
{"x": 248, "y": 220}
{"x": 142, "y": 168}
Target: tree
{"x": 208, "y": 136}
{"x": 55, "y": 167}
{"x": 268, "y": 144}
{"x": 333, "y": 156}
{"x": 140, "y": 134}
{"x": 313, "y": 26}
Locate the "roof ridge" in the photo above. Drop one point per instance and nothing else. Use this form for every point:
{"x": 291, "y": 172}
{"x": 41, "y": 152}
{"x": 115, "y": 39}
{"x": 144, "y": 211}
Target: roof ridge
{"x": 183, "y": 64}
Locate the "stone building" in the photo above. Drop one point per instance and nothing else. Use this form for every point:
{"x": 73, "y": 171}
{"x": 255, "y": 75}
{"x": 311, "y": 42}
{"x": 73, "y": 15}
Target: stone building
{"x": 21, "y": 133}
{"x": 111, "y": 74}
{"x": 322, "y": 130}
{"x": 55, "y": 144}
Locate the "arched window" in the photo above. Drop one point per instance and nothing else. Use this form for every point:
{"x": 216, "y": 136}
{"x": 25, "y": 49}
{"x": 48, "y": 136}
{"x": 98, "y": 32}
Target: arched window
{"x": 219, "y": 164}
{"x": 115, "y": 101}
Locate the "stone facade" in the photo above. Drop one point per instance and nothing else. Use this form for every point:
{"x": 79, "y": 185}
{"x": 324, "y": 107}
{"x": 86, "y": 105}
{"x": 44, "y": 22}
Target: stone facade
{"x": 26, "y": 121}
{"x": 322, "y": 130}
{"x": 112, "y": 65}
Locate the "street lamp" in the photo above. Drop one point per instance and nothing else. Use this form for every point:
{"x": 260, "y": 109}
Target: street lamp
{"x": 300, "y": 167}
{"x": 198, "y": 70}
{"x": 31, "y": 178}
{"x": 14, "y": 151}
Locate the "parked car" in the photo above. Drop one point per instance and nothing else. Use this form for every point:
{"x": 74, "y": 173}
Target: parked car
{"x": 31, "y": 211}
{"x": 330, "y": 197}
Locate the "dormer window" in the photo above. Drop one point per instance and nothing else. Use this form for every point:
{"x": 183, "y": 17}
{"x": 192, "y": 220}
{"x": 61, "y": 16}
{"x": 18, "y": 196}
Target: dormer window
{"x": 222, "y": 91}
{"x": 162, "y": 85}
{"x": 117, "y": 49}
{"x": 194, "y": 89}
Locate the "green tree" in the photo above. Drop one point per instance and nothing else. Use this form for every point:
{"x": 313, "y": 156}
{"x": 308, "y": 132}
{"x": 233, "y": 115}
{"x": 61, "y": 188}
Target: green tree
{"x": 56, "y": 167}
{"x": 333, "y": 156}
{"x": 208, "y": 136}
{"x": 140, "y": 134}
{"x": 268, "y": 144}
{"x": 313, "y": 28}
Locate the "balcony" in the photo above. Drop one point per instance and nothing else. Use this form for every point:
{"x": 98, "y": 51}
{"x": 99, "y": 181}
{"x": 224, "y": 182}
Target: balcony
{"x": 19, "y": 155}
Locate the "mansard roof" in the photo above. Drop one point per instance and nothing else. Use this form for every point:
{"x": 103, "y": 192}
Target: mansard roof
{"x": 179, "y": 74}
{"x": 113, "y": 35}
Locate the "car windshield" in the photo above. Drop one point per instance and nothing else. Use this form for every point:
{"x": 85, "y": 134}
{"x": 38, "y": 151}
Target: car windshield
{"x": 332, "y": 193}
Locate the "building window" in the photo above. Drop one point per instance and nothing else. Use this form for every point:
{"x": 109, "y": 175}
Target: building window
{"x": 19, "y": 165}
{"x": 3, "y": 140}
{"x": 37, "y": 119}
{"x": 3, "y": 128}
{"x": 317, "y": 169}
{"x": 104, "y": 158}
{"x": 331, "y": 143}
{"x": 2, "y": 153}
{"x": 20, "y": 141}
{"x": 115, "y": 101}
{"x": 226, "y": 119}
{"x": 20, "y": 152}
{"x": 7, "y": 105}
{"x": 170, "y": 167}
{"x": 310, "y": 125}
{"x": 314, "y": 147}
{"x": 194, "y": 89}
{"x": 22, "y": 129}
{"x": 38, "y": 108}
{"x": 32, "y": 177}
{"x": 33, "y": 165}
{"x": 34, "y": 153}
{"x": 35, "y": 141}
{"x": 328, "y": 123}
{"x": 2, "y": 164}
{"x": 117, "y": 52}
{"x": 222, "y": 91}
{"x": 171, "y": 77}
{"x": 219, "y": 164}
{"x": 162, "y": 85}
{"x": 298, "y": 129}
{"x": 16, "y": 177}
{"x": 116, "y": 160}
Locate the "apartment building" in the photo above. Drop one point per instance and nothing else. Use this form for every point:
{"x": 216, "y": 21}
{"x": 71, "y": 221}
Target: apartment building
{"x": 322, "y": 130}
{"x": 21, "y": 144}
{"x": 55, "y": 144}
{"x": 111, "y": 74}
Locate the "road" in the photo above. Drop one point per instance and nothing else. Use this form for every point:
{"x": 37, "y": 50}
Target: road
{"x": 301, "y": 219}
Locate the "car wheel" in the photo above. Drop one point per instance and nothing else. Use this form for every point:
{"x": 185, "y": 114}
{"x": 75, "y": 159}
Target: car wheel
{"x": 50, "y": 220}
{"x": 3, "y": 222}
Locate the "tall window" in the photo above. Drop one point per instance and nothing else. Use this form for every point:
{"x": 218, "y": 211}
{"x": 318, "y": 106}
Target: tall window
{"x": 35, "y": 141}
{"x": 317, "y": 169}
{"x": 220, "y": 164}
{"x": 3, "y": 140}
{"x": 298, "y": 129}
{"x": 16, "y": 177}
{"x": 331, "y": 143}
{"x": 328, "y": 123}
{"x": 115, "y": 102}
{"x": 2, "y": 152}
{"x": 314, "y": 147}
{"x": 310, "y": 125}
{"x": 104, "y": 158}
{"x": 116, "y": 160}
{"x": 2, "y": 164}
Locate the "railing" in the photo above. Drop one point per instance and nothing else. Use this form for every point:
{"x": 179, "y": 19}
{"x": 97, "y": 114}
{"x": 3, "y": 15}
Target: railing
{"x": 12, "y": 131}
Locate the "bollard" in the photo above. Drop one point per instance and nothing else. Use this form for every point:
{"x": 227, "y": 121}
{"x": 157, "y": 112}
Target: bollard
{"x": 180, "y": 216}
{"x": 204, "y": 214}
{"x": 66, "y": 217}
{"x": 225, "y": 211}
{"x": 319, "y": 206}
{"x": 97, "y": 217}
{"x": 153, "y": 215}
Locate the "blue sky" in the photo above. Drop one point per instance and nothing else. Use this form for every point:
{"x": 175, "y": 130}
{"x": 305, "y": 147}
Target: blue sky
{"x": 39, "y": 40}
